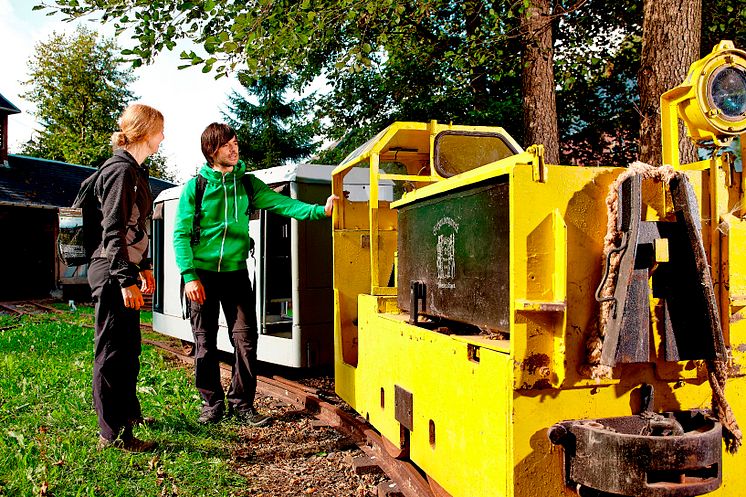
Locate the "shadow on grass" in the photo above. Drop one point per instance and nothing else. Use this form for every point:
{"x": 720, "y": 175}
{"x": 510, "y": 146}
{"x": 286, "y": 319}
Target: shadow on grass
{"x": 173, "y": 446}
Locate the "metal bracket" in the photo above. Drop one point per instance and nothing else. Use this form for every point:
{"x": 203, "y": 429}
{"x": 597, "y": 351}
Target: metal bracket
{"x": 691, "y": 324}
{"x": 403, "y": 407}
{"x": 417, "y": 295}
{"x": 655, "y": 455}
{"x": 539, "y": 168}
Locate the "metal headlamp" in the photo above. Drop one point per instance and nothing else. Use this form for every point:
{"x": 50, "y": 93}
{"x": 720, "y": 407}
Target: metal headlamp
{"x": 726, "y": 97}
{"x": 711, "y": 101}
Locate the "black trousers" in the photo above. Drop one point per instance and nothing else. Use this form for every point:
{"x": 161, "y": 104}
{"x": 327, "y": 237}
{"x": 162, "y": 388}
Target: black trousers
{"x": 117, "y": 355}
{"x": 233, "y": 291}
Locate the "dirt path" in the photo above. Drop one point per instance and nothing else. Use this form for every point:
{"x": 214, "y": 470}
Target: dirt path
{"x": 295, "y": 457}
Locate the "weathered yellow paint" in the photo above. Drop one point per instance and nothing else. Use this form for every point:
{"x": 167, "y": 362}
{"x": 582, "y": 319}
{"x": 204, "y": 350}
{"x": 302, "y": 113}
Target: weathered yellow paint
{"x": 419, "y": 365}
{"x": 481, "y": 408}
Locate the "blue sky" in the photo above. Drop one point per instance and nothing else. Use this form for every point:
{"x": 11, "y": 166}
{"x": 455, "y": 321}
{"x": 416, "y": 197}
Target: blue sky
{"x": 189, "y": 99}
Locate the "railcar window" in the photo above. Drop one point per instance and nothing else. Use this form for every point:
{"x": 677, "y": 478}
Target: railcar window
{"x": 277, "y": 278}
{"x": 458, "y": 152}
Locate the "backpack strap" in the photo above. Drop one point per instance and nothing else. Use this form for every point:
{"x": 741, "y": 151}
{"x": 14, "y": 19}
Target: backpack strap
{"x": 250, "y": 210}
{"x": 199, "y": 193}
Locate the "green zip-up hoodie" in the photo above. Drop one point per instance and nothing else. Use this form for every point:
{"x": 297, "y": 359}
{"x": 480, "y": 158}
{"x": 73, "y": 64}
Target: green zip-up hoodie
{"x": 224, "y": 237}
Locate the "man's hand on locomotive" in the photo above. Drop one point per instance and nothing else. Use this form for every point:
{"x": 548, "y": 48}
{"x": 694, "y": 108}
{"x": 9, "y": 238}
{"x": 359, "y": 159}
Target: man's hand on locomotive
{"x": 329, "y": 207}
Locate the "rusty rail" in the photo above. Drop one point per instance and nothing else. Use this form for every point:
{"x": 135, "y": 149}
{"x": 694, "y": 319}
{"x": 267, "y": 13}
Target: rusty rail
{"x": 408, "y": 478}
{"x": 12, "y": 306}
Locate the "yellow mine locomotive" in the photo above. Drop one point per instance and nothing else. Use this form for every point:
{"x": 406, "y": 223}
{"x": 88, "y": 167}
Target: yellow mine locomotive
{"x": 516, "y": 328}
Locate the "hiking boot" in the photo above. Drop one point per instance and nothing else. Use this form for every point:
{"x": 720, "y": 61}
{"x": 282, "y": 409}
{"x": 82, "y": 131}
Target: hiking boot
{"x": 131, "y": 444}
{"x": 210, "y": 416}
{"x": 252, "y": 418}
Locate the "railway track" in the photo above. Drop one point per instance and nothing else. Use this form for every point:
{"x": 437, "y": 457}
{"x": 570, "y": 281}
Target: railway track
{"x": 322, "y": 406}
{"x": 406, "y": 477}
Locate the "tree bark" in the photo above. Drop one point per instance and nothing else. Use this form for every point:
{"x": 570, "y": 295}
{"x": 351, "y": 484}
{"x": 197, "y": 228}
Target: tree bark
{"x": 670, "y": 43}
{"x": 537, "y": 80}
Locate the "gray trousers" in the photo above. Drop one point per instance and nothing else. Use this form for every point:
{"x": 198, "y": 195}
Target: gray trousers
{"x": 231, "y": 290}
{"x": 116, "y": 356}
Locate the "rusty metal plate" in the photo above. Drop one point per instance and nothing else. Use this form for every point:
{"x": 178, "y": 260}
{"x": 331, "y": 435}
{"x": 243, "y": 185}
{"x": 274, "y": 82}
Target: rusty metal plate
{"x": 403, "y": 407}
{"x": 457, "y": 244}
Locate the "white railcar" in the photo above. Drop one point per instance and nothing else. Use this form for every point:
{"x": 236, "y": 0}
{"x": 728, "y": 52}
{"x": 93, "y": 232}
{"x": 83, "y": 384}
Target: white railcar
{"x": 291, "y": 269}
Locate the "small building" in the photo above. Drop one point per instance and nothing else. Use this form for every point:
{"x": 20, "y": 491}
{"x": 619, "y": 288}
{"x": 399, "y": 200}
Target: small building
{"x": 31, "y": 192}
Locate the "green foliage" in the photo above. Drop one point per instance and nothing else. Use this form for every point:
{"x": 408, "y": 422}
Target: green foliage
{"x": 597, "y": 59}
{"x": 723, "y": 20}
{"x": 48, "y": 429}
{"x": 454, "y": 61}
{"x": 158, "y": 168}
{"x": 385, "y": 60}
{"x": 79, "y": 91}
{"x": 274, "y": 131}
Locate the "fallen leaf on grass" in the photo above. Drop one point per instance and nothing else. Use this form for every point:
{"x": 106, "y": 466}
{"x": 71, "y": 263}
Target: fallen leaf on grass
{"x": 44, "y": 490}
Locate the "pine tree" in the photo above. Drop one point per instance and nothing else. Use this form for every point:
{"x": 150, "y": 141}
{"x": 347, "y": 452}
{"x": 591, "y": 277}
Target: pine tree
{"x": 273, "y": 131}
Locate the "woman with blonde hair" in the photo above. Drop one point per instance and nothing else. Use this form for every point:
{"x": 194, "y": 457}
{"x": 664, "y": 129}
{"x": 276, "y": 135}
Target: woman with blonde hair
{"x": 126, "y": 203}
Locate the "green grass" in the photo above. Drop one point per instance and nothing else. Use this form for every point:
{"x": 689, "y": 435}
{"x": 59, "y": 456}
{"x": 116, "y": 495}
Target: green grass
{"x": 48, "y": 428}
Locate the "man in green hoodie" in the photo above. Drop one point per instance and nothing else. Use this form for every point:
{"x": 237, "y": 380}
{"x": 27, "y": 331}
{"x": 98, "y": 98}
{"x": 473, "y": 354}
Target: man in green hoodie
{"x": 213, "y": 266}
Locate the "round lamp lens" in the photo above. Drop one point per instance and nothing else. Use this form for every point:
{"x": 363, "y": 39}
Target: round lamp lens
{"x": 729, "y": 91}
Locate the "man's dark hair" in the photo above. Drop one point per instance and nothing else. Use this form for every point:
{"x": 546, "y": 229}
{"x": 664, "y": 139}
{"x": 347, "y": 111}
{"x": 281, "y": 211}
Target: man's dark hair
{"x": 215, "y": 136}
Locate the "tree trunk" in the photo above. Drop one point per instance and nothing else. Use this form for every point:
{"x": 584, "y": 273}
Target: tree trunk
{"x": 670, "y": 43}
{"x": 537, "y": 80}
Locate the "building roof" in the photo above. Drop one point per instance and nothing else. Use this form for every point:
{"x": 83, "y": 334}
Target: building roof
{"x": 6, "y": 107}
{"x": 47, "y": 183}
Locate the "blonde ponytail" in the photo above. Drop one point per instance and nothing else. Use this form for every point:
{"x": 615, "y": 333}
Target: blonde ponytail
{"x": 118, "y": 140}
{"x": 137, "y": 123}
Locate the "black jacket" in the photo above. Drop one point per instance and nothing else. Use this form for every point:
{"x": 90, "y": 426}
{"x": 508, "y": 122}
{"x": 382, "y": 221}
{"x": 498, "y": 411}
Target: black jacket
{"x": 126, "y": 204}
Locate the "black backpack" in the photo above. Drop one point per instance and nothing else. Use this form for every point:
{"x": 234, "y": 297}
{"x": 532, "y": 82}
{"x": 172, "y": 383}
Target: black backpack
{"x": 199, "y": 193}
{"x": 80, "y": 225}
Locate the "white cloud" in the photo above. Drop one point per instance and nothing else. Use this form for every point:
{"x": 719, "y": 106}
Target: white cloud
{"x": 188, "y": 99}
